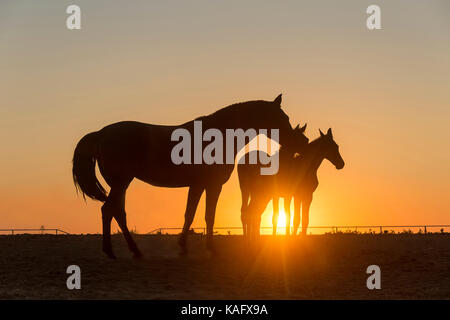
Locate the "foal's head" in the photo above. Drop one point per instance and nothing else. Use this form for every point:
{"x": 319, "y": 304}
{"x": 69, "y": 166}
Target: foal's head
{"x": 298, "y": 141}
{"x": 330, "y": 149}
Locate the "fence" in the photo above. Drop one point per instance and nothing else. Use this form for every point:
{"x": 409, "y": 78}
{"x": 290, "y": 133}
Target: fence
{"x": 333, "y": 229}
{"x": 42, "y": 230}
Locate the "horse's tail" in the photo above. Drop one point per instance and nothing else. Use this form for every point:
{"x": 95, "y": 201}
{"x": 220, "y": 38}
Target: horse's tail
{"x": 83, "y": 170}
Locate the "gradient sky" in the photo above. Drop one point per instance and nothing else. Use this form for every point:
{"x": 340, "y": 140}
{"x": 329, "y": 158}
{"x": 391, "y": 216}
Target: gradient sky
{"x": 385, "y": 93}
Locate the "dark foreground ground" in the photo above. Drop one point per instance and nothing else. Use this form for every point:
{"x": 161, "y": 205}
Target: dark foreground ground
{"x": 316, "y": 267}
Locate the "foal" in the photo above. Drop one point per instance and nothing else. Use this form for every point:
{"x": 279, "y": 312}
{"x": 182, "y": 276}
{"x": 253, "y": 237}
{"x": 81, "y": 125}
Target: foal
{"x": 257, "y": 190}
{"x": 304, "y": 178}
{"x": 298, "y": 179}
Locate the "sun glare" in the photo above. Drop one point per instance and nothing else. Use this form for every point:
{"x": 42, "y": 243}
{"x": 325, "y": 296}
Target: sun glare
{"x": 281, "y": 223}
{"x": 281, "y": 219}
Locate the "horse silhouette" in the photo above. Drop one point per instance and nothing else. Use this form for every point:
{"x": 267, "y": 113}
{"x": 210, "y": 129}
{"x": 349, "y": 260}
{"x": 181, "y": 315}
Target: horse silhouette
{"x": 128, "y": 150}
{"x": 296, "y": 178}
{"x": 257, "y": 189}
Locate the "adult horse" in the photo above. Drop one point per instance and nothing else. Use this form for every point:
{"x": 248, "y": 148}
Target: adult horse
{"x": 297, "y": 178}
{"x": 128, "y": 150}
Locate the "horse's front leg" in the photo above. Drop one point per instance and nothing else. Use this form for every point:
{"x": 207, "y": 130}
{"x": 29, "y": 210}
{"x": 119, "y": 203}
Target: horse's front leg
{"x": 194, "y": 195}
{"x": 212, "y": 196}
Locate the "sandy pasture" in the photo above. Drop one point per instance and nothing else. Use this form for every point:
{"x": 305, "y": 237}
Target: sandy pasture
{"x": 315, "y": 267}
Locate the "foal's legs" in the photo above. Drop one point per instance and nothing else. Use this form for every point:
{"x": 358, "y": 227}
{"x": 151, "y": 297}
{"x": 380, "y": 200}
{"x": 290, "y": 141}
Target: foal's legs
{"x": 305, "y": 213}
{"x": 276, "y": 209}
{"x": 255, "y": 209}
{"x": 212, "y": 196}
{"x": 194, "y": 196}
{"x": 244, "y": 208}
{"x": 297, "y": 207}
{"x": 245, "y": 223}
{"x": 287, "y": 211}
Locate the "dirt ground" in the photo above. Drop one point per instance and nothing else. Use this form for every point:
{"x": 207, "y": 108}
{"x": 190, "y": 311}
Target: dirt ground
{"x": 315, "y": 267}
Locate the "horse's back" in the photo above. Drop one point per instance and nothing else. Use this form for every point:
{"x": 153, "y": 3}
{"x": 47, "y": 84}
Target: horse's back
{"x": 131, "y": 148}
{"x": 144, "y": 151}
{"x": 249, "y": 174}
{"x": 305, "y": 180}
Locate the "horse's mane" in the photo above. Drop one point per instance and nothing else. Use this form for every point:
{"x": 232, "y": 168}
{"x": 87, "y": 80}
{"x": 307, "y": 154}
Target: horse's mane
{"x": 315, "y": 141}
{"x": 307, "y": 151}
{"x": 232, "y": 108}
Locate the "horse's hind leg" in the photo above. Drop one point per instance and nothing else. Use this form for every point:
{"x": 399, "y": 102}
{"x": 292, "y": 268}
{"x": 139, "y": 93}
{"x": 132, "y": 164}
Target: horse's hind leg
{"x": 297, "y": 209}
{"x": 115, "y": 207}
{"x": 276, "y": 209}
{"x": 121, "y": 218}
{"x": 287, "y": 212}
{"x": 244, "y": 208}
{"x": 194, "y": 196}
{"x": 107, "y": 216}
{"x": 255, "y": 209}
{"x": 305, "y": 213}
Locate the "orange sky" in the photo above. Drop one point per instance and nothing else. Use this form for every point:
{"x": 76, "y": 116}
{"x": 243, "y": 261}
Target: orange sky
{"x": 385, "y": 93}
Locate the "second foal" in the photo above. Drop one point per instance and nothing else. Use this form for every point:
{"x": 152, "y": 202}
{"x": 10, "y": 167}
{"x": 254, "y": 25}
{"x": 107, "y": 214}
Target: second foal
{"x": 298, "y": 180}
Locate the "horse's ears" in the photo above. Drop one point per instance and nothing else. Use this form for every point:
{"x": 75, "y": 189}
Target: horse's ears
{"x": 329, "y": 133}
{"x": 277, "y": 100}
{"x": 321, "y": 133}
{"x": 302, "y": 129}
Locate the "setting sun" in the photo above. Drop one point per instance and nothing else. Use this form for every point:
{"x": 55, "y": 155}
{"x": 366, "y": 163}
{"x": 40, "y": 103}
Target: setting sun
{"x": 281, "y": 220}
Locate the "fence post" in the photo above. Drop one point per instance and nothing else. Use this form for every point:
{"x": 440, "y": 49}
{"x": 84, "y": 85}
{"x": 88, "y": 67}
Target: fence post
{"x": 56, "y": 231}
{"x": 12, "y": 231}
{"x": 381, "y": 230}
{"x": 425, "y": 229}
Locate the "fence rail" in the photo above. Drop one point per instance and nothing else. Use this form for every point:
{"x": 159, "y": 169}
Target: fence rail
{"x": 42, "y": 230}
{"x": 334, "y": 229}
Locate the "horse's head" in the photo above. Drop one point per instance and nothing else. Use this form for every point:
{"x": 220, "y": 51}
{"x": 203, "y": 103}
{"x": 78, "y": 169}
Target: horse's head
{"x": 330, "y": 149}
{"x": 294, "y": 139}
{"x": 297, "y": 142}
